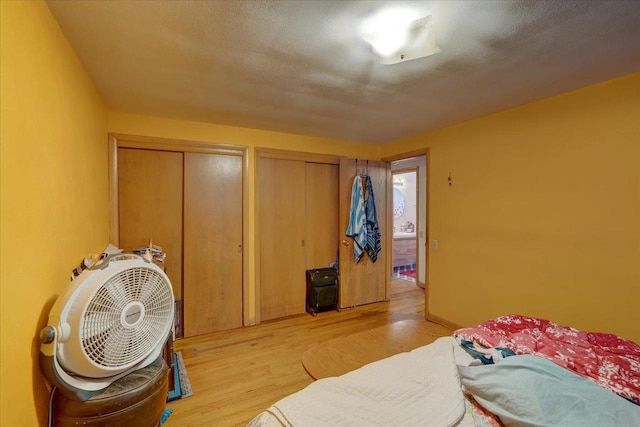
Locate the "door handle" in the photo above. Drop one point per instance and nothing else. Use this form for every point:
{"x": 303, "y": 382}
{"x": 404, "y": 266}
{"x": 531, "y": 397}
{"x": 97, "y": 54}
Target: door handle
{"x": 345, "y": 242}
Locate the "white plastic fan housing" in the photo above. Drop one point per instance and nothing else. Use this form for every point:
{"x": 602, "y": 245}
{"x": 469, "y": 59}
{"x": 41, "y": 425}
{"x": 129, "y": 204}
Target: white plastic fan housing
{"x": 112, "y": 319}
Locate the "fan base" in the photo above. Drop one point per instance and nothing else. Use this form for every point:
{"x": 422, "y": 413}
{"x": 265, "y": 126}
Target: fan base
{"x": 137, "y": 399}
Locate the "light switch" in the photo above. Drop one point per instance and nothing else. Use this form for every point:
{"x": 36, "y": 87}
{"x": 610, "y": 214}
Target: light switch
{"x": 434, "y": 244}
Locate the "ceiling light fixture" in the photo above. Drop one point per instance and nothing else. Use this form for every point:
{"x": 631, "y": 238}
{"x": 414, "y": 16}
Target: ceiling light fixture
{"x": 396, "y": 38}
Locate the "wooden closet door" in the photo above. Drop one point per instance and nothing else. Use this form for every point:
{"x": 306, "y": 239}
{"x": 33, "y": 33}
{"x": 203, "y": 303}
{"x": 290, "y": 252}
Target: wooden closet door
{"x": 212, "y": 243}
{"x": 365, "y": 282}
{"x": 150, "y": 205}
{"x": 281, "y": 205}
{"x": 321, "y": 214}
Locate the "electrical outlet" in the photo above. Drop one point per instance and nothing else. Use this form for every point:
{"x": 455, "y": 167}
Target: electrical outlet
{"x": 434, "y": 244}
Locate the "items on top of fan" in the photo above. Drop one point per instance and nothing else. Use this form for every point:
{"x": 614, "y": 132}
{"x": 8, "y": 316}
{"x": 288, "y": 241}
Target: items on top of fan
{"x": 151, "y": 252}
{"x": 94, "y": 259}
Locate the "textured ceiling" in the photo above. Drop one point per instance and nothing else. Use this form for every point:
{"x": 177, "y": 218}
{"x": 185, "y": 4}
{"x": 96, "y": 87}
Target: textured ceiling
{"x": 301, "y": 66}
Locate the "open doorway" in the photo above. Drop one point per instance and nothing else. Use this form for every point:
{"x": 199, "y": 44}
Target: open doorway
{"x": 409, "y": 220}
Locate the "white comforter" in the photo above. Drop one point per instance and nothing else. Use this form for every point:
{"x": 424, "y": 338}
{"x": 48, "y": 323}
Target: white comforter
{"x": 420, "y": 387}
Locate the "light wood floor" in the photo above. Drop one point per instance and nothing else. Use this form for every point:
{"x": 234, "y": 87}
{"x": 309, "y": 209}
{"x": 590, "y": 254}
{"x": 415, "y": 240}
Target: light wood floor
{"x": 239, "y": 373}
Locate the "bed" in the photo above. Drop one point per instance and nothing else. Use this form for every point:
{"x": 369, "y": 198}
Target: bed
{"x": 513, "y": 371}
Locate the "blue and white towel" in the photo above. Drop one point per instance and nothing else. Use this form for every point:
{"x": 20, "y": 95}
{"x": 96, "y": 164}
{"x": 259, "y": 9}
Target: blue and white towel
{"x": 357, "y": 219}
{"x": 374, "y": 244}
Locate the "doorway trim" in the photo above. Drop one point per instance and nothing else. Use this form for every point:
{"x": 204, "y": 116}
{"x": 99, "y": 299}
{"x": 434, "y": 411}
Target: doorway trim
{"x": 426, "y": 152}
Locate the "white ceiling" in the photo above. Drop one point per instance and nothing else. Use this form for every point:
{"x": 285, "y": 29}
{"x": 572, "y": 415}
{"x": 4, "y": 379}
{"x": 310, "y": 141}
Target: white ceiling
{"x": 301, "y": 66}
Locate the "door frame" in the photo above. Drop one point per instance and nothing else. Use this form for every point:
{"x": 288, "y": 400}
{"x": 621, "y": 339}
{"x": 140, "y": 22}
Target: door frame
{"x": 117, "y": 140}
{"x": 278, "y": 154}
{"x": 426, "y": 152}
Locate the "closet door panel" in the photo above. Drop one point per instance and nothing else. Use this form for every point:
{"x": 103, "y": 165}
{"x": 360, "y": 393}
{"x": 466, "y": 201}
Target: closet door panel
{"x": 365, "y": 282}
{"x": 281, "y": 204}
{"x": 321, "y": 214}
{"x": 212, "y": 243}
{"x": 150, "y": 205}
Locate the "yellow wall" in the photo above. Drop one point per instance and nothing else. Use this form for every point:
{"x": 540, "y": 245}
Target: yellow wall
{"x": 543, "y": 217}
{"x": 54, "y": 192}
{"x": 197, "y": 131}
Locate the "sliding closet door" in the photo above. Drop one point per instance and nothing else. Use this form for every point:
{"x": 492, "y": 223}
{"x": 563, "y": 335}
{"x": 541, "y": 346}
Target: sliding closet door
{"x": 321, "y": 219}
{"x": 212, "y": 243}
{"x": 281, "y": 204}
{"x": 150, "y": 205}
{"x": 365, "y": 282}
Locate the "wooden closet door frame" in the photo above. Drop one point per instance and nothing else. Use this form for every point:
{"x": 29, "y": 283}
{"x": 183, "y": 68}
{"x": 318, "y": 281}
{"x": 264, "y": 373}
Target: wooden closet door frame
{"x": 272, "y": 153}
{"x": 184, "y": 146}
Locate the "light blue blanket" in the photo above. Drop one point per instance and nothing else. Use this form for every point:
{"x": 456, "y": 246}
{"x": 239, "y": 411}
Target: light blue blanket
{"x": 531, "y": 391}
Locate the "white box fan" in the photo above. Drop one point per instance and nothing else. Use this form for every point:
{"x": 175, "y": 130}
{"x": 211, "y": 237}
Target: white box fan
{"x": 113, "y": 319}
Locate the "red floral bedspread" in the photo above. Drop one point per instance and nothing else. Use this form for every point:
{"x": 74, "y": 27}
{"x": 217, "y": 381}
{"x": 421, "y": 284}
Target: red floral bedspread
{"x": 609, "y": 360}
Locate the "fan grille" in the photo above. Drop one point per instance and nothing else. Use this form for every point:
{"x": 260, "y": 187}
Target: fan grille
{"x": 110, "y": 342}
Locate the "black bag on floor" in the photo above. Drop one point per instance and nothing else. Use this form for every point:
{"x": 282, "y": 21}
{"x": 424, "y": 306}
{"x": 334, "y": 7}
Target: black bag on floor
{"x": 322, "y": 290}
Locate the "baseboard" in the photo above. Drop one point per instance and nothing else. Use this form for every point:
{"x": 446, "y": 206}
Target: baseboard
{"x": 443, "y": 322}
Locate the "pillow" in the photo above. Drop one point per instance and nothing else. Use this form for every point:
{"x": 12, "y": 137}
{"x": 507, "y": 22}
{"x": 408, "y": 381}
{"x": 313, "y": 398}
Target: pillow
{"x": 531, "y": 391}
